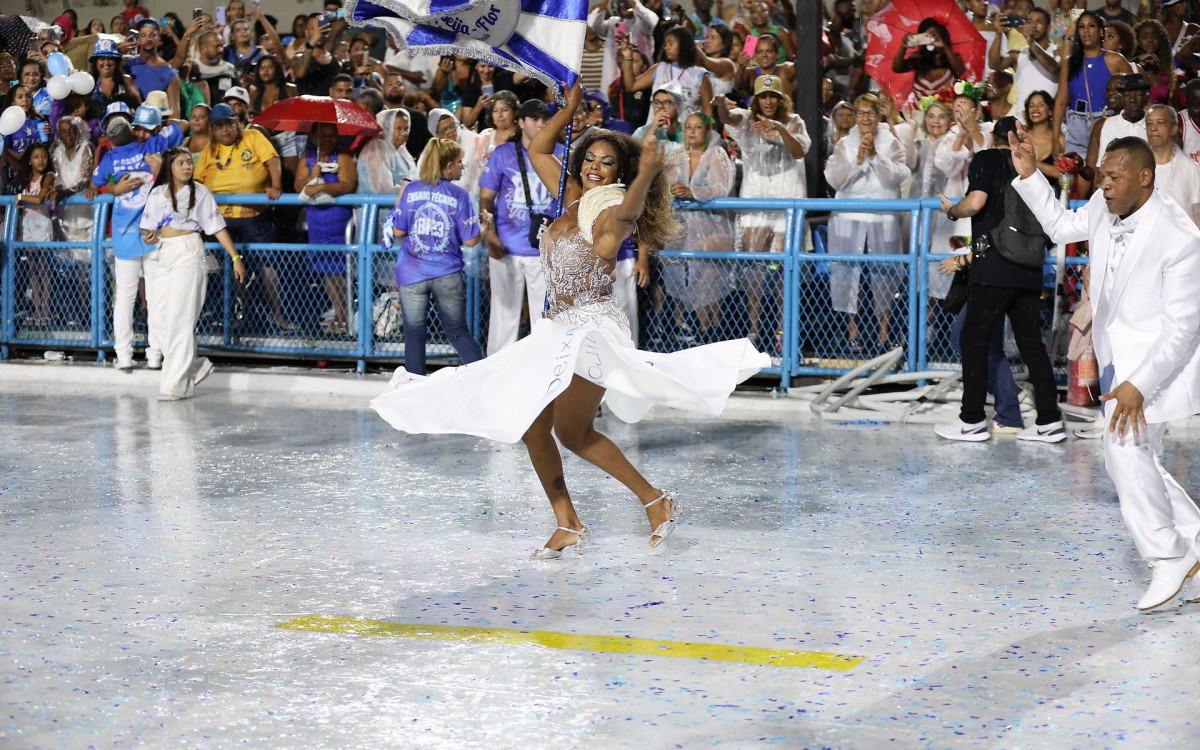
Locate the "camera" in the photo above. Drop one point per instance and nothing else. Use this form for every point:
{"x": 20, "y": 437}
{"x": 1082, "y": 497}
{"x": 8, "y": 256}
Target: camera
{"x": 1012, "y": 22}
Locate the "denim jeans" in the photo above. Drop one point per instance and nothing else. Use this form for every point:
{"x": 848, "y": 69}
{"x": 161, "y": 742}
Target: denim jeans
{"x": 450, "y": 295}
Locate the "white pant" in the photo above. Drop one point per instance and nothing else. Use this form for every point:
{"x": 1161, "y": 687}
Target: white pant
{"x": 127, "y": 273}
{"x": 1164, "y": 521}
{"x": 181, "y": 281}
{"x": 625, "y": 289}
{"x": 512, "y": 277}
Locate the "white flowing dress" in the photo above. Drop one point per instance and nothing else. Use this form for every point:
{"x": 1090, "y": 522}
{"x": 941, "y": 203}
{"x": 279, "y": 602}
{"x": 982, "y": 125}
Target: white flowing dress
{"x": 585, "y": 334}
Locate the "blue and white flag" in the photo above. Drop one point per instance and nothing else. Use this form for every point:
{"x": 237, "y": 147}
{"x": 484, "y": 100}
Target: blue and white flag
{"x": 542, "y": 39}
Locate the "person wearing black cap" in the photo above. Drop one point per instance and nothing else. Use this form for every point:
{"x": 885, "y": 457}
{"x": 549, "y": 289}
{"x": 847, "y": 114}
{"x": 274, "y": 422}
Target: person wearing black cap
{"x": 150, "y": 72}
{"x": 998, "y": 287}
{"x": 1135, "y": 94}
{"x": 510, "y": 190}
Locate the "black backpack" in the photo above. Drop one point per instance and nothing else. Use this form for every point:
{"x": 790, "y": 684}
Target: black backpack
{"x": 1019, "y": 237}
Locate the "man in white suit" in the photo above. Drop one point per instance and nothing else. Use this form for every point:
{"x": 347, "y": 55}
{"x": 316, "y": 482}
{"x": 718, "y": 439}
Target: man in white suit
{"x": 1145, "y": 273}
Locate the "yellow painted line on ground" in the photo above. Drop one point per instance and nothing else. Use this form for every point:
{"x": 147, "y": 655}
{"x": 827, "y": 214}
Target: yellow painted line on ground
{"x": 576, "y": 642}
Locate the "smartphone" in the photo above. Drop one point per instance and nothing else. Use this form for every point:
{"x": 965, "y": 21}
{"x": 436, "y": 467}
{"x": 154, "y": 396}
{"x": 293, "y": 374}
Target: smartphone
{"x": 918, "y": 39}
{"x": 256, "y": 5}
{"x": 619, "y": 29}
{"x": 750, "y": 45}
{"x": 196, "y": 13}
{"x": 1076, "y": 13}
{"x": 220, "y": 15}
{"x": 1013, "y": 22}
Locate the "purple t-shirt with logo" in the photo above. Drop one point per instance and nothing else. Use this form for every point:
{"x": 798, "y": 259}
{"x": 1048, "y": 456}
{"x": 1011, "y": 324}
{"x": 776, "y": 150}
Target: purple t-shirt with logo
{"x": 438, "y": 219}
{"x": 503, "y": 175}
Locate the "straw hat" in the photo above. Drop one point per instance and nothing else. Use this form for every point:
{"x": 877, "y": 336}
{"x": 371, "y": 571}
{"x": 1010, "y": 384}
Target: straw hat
{"x": 158, "y": 99}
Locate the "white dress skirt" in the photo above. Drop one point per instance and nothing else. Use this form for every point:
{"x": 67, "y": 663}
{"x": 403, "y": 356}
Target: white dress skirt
{"x": 500, "y": 396}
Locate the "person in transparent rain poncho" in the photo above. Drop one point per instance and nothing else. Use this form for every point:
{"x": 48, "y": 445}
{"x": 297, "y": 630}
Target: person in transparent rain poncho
{"x": 701, "y": 172}
{"x": 73, "y": 157}
{"x": 869, "y": 162}
{"x": 928, "y": 181}
{"x": 773, "y": 140}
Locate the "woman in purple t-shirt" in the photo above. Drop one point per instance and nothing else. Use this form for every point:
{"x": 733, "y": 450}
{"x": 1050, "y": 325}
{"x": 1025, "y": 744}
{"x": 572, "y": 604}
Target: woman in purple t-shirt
{"x": 431, "y": 222}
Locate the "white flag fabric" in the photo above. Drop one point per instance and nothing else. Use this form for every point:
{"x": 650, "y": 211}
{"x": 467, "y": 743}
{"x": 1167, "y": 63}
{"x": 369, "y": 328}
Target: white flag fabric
{"x": 542, "y": 39}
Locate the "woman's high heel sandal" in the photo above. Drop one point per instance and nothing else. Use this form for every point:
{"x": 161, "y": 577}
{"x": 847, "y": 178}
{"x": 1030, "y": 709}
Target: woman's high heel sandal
{"x": 664, "y": 529}
{"x": 545, "y": 553}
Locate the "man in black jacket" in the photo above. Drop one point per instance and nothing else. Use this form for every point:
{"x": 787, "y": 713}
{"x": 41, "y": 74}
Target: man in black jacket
{"x": 999, "y": 287}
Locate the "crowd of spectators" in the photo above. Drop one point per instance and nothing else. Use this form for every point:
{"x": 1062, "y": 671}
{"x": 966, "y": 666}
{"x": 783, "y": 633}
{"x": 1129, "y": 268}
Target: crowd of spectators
{"x": 713, "y": 80}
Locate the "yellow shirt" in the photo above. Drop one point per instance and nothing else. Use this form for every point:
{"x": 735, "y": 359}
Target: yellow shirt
{"x": 240, "y": 168}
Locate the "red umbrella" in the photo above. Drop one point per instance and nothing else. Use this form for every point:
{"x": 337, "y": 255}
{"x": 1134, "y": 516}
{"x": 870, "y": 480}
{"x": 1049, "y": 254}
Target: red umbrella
{"x": 886, "y": 31}
{"x": 298, "y": 114}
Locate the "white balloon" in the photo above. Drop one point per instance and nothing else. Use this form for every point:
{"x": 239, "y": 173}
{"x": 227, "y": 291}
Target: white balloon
{"x": 59, "y": 87}
{"x": 11, "y": 120}
{"x": 82, "y": 82}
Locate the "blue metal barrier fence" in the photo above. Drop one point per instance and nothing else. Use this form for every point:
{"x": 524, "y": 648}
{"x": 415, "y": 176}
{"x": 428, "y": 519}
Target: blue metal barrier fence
{"x": 773, "y": 277}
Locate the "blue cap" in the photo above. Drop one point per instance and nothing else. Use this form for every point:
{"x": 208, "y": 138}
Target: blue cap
{"x": 138, "y": 26}
{"x": 147, "y": 117}
{"x": 117, "y": 108}
{"x": 105, "y": 48}
{"x": 221, "y": 112}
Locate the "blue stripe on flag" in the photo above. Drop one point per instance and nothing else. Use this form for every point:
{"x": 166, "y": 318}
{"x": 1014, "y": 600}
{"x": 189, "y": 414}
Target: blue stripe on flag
{"x": 573, "y": 10}
{"x": 441, "y": 6}
{"x": 366, "y": 10}
{"x": 422, "y": 35}
{"x": 539, "y": 60}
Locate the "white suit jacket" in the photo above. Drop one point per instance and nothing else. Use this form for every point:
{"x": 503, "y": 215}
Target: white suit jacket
{"x": 1147, "y": 330}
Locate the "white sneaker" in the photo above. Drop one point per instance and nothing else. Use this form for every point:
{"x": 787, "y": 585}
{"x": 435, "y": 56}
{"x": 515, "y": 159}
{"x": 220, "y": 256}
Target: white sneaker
{"x": 960, "y": 430}
{"x": 1092, "y": 432}
{"x": 153, "y": 362}
{"x": 125, "y": 365}
{"x": 1055, "y": 432}
{"x": 1167, "y": 580}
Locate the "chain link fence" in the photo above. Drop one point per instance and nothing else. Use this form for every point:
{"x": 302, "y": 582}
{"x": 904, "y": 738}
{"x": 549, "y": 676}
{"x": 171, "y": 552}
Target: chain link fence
{"x": 815, "y": 309}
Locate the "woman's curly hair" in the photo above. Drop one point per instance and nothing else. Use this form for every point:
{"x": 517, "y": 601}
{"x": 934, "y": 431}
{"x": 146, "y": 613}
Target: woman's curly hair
{"x": 657, "y": 224}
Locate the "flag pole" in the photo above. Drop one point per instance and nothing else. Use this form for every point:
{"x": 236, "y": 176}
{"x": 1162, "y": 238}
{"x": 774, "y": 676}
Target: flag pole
{"x": 562, "y": 180}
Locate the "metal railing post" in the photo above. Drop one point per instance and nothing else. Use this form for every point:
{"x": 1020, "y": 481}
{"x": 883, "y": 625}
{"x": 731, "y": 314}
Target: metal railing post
{"x": 918, "y": 295}
{"x": 7, "y": 283}
{"x": 99, "y": 265}
{"x": 366, "y": 283}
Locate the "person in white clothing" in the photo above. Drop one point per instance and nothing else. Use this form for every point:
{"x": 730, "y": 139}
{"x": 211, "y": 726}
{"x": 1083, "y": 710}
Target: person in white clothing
{"x": 1189, "y": 118}
{"x": 177, "y": 211}
{"x": 628, "y": 18}
{"x": 868, "y": 163}
{"x": 773, "y": 140}
{"x": 1035, "y": 67}
{"x": 1145, "y": 270}
{"x": 1174, "y": 173}
{"x": 1135, "y": 93}
{"x": 523, "y": 207}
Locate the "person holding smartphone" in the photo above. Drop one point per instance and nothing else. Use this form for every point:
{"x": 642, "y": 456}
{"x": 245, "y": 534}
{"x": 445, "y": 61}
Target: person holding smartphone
{"x": 314, "y": 68}
{"x": 928, "y": 56}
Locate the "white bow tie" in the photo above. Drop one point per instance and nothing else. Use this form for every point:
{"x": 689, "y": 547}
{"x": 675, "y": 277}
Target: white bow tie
{"x": 1119, "y": 229}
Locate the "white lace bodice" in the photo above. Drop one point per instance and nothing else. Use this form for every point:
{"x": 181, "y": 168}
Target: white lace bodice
{"x": 575, "y": 276}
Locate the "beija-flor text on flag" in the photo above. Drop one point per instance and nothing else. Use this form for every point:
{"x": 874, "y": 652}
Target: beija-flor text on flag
{"x": 542, "y": 39}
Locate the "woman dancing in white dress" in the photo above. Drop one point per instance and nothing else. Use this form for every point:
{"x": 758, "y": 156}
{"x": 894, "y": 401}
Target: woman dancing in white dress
{"x": 581, "y": 353}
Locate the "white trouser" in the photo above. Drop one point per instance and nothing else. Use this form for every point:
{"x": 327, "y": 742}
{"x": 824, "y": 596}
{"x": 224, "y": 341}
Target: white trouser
{"x": 1164, "y": 521}
{"x": 513, "y": 277}
{"x": 182, "y": 278}
{"x": 127, "y": 273}
{"x": 625, "y": 289}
